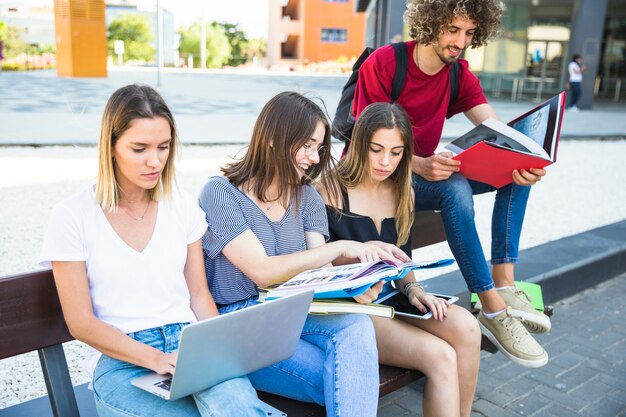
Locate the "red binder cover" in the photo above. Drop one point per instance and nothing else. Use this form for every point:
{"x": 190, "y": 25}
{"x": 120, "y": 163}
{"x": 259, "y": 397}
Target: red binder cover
{"x": 493, "y": 165}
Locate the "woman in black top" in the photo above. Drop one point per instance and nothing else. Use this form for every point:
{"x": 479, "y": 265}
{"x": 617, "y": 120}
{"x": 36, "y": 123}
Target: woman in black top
{"x": 374, "y": 202}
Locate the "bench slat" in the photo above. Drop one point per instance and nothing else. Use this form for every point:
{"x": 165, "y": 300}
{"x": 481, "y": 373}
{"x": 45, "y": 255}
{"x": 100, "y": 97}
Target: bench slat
{"x": 427, "y": 229}
{"x": 30, "y": 314}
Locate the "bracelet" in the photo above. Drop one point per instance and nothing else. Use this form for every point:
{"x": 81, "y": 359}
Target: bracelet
{"x": 410, "y": 285}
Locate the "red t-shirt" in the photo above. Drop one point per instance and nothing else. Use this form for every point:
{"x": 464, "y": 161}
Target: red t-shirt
{"x": 424, "y": 97}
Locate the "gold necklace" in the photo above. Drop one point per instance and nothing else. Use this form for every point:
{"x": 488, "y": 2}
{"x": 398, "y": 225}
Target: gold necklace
{"x": 140, "y": 218}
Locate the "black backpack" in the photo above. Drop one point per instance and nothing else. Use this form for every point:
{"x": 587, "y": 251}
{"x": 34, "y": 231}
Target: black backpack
{"x": 343, "y": 122}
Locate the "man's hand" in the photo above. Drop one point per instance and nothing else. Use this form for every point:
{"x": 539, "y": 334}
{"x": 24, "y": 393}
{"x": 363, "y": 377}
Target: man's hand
{"x": 528, "y": 177}
{"x": 435, "y": 168}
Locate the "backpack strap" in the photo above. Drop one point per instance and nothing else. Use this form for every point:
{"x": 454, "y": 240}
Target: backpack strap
{"x": 402, "y": 62}
{"x": 454, "y": 82}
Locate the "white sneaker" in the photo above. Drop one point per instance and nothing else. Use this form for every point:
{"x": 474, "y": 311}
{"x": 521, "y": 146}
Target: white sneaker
{"x": 534, "y": 321}
{"x": 508, "y": 334}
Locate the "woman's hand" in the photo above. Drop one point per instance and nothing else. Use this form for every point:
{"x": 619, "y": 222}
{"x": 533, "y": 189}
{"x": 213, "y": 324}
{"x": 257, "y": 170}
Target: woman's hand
{"x": 366, "y": 252}
{"x": 165, "y": 363}
{"x": 371, "y": 294}
{"x": 422, "y": 300}
{"x": 392, "y": 250}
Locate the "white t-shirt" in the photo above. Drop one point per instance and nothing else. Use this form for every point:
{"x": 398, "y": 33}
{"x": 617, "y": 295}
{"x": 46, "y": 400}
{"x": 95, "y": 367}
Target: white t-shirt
{"x": 130, "y": 290}
{"x": 575, "y": 75}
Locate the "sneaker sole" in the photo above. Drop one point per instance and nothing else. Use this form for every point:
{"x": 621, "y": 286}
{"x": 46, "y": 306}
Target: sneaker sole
{"x": 534, "y": 323}
{"x": 522, "y": 362}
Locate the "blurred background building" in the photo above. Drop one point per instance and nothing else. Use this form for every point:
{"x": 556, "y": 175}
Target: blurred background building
{"x": 539, "y": 38}
{"x": 36, "y": 21}
{"x": 305, "y": 31}
{"x": 529, "y": 60}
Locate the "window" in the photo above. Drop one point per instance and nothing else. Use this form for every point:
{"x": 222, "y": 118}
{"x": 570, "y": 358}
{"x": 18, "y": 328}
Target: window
{"x": 334, "y": 35}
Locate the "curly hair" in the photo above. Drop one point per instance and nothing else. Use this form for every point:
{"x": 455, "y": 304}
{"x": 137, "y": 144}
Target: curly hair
{"x": 427, "y": 19}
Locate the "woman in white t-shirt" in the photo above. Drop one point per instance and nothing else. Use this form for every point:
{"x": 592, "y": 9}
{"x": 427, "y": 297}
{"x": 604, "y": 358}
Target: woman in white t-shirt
{"x": 128, "y": 265}
{"x": 575, "y": 69}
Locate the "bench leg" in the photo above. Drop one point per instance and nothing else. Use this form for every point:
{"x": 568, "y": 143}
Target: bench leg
{"x": 58, "y": 382}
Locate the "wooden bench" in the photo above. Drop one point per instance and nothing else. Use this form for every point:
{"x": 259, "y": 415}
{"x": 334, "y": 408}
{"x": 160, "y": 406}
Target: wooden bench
{"x": 31, "y": 320}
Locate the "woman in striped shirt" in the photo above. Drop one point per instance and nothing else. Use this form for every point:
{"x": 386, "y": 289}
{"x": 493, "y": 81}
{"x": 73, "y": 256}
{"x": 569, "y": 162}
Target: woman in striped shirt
{"x": 267, "y": 224}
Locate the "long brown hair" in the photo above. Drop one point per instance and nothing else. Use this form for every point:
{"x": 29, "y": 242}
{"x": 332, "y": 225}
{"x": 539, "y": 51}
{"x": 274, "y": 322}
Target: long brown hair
{"x": 128, "y": 103}
{"x": 285, "y": 124}
{"x": 352, "y": 169}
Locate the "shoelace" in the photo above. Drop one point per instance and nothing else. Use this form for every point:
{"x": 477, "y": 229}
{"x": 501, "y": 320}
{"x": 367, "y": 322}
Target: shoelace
{"x": 522, "y": 292}
{"x": 513, "y": 325}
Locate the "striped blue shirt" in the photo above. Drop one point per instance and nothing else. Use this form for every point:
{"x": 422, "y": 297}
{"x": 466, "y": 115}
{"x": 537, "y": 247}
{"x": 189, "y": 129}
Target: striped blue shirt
{"x": 229, "y": 213}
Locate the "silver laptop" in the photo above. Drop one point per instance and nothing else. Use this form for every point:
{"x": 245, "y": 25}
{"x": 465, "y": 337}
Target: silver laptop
{"x": 231, "y": 345}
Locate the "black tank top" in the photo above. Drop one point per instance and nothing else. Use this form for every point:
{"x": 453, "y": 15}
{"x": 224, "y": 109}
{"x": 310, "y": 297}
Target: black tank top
{"x": 343, "y": 224}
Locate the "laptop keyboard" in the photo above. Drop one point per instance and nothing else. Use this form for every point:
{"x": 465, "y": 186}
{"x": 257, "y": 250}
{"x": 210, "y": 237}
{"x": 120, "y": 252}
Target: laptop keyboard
{"x": 166, "y": 384}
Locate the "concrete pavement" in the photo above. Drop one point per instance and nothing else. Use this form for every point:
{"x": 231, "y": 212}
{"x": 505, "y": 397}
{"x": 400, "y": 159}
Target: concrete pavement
{"x": 586, "y": 375}
{"x": 210, "y": 107}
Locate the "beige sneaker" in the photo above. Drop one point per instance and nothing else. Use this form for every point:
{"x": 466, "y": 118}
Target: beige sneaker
{"x": 512, "y": 339}
{"x": 534, "y": 321}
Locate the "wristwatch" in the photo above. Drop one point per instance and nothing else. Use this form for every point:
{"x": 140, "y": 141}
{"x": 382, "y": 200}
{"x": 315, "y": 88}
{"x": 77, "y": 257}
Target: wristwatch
{"x": 411, "y": 284}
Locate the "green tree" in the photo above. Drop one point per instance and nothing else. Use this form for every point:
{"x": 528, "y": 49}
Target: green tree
{"x": 13, "y": 43}
{"x": 133, "y": 29}
{"x": 255, "y": 47}
{"x": 238, "y": 43}
{"x": 218, "y": 49}
{"x": 3, "y": 31}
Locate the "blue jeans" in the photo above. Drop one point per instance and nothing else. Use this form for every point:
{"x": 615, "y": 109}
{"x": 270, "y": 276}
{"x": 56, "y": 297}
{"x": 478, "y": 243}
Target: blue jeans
{"x": 335, "y": 364}
{"x": 454, "y": 198}
{"x": 576, "y": 88}
{"x": 116, "y": 397}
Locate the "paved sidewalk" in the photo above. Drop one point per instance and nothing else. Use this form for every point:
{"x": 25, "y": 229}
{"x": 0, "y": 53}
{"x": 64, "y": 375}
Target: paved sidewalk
{"x": 211, "y": 107}
{"x": 586, "y": 375}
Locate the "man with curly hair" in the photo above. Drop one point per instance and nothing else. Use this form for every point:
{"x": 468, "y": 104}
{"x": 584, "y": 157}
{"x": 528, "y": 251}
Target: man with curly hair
{"x": 441, "y": 31}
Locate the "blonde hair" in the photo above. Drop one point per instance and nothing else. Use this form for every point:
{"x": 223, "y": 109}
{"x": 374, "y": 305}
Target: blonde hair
{"x": 351, "y": 170}
{"x": 125, "y": 105}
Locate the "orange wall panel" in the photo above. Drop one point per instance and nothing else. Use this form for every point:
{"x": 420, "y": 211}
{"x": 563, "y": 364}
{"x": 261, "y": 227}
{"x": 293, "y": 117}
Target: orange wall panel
{"x": 320, "y": 14}
{"x": 80, "y": 38}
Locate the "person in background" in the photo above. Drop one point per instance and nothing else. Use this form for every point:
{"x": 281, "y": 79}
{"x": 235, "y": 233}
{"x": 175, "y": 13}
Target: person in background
{"x": 127, "y": 262}
{"x": 575, "y": 69}
{"x": 441, "y": 31}
{"x": 377, "y": 168}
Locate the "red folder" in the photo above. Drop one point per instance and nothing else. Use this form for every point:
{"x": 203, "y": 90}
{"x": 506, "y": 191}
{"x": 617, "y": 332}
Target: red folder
{"x": 493, "y": 165}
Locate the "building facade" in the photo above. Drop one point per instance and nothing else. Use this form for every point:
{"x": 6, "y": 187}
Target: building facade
{"x": 305, "y": 31}
{"x": 540, "y": 36}
{"x": 37, "y": 22}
